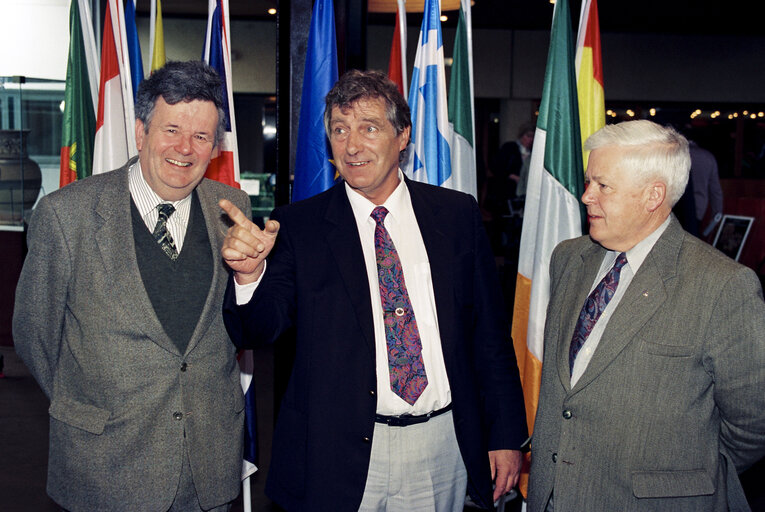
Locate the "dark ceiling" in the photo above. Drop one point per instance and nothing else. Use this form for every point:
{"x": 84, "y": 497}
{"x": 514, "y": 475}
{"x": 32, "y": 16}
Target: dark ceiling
{"x": 736, "y": 17}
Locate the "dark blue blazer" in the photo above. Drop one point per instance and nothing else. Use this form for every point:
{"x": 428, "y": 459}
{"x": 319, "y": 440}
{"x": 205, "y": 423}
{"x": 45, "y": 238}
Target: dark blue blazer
{"x": 316, "y": 282}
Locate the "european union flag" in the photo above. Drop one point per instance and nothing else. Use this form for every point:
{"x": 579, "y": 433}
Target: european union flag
{"x": 313, "y": 171}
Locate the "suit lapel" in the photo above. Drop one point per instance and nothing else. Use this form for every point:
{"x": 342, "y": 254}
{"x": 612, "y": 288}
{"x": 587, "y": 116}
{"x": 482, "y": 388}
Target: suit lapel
{"x": 115, "y": 241}
{"x": 211, "y": 214}
{"x": 646, "y": 293}
{"x": 577, "y": 290}
{"x": 345, "y": 245}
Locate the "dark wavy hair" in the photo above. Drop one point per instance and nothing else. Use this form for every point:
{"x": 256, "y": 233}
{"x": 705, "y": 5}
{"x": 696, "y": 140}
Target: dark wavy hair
{"x": 357, "y": 85}
{"x": 181, "y": 81}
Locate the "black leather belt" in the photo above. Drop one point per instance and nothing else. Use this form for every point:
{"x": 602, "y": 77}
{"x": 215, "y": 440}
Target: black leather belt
{"x": 410, "y": 419}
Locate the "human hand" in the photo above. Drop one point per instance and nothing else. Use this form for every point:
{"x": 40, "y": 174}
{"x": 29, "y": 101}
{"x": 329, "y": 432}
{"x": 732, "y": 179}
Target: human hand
{"x": 246, "y": 245}
{"x": 505, "y": 470}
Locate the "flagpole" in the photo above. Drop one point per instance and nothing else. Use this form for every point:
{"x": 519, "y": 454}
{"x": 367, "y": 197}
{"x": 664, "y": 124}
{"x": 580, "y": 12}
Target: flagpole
{"x": 402, "y": 41}
{"x": 467, "y": 9}
{"x": 91, "y": 50}
{"x": 152, "y": 29}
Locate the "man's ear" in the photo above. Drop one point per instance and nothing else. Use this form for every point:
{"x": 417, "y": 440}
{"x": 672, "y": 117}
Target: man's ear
{"x": 656, "y": 195}
{"x": 405, "y": 135}
{"x": 139, "y": 134}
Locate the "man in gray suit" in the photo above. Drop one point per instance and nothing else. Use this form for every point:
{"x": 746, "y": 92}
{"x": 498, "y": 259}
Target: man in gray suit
{"x": 652, "y": 393}
{"x": 118, "y": 316}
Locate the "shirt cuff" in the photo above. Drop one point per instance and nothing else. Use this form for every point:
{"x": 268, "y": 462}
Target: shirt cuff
{"x": 244, "y": 292}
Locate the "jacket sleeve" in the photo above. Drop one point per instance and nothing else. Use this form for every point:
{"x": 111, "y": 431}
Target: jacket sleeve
{"x": 735, "y": 356}
{"x": 270, "y": 311}
{"x": 41, "y": 295}
{"x": 497, "y": 365}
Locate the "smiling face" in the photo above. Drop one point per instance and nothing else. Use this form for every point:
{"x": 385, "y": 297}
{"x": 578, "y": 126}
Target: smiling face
{"x": 365, "y": 148}
{"x": 621, "y": 212}
{"x": 176, "y": 148}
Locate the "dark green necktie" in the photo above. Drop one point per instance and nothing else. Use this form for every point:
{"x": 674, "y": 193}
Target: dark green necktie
{"x": 161, "y": 234}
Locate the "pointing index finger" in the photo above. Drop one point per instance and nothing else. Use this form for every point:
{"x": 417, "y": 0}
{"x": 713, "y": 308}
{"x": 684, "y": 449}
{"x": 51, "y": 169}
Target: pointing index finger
{"x": 234, "y": 213}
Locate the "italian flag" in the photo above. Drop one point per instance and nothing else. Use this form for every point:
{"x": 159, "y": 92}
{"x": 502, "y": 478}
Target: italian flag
{"x": 80, "y": 97}
{"x": 552, "y": 212}
{"x": 589, "y": 73}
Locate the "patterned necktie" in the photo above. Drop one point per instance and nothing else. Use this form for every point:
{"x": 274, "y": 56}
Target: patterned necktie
{"x": 161, "y": 233}
{"x": 593, "y": 307}
{"x": 407, "y": 371}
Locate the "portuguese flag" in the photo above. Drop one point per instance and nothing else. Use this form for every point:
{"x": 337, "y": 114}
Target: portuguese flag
{"x": 81, "y": 97}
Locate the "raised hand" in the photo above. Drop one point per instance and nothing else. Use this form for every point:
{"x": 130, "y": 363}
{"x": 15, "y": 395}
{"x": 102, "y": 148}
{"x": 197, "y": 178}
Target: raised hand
{"x": 246, "y": 245}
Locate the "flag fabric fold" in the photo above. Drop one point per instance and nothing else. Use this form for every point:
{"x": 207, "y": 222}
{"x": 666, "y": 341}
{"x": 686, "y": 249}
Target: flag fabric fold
{"x": 80, "y": 97}
{"x": 115, "y": 120}
{"x": 397, "y": 62}
{"x": 461, "y": 110}
{"x": 134, "y": 47}
{"x": 156, "y": 36}
{"x": 217, "y": 53}
{"x": 314, "y": 171}
{"x": 429, "y": 156}
{"x": 589, "y": 73}
{"x": 246, "y": 371}
{"x": 552, "y": 212}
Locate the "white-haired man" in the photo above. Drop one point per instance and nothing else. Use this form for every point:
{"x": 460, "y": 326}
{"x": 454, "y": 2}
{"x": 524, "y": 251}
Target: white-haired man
{"x": 651, "y": 394}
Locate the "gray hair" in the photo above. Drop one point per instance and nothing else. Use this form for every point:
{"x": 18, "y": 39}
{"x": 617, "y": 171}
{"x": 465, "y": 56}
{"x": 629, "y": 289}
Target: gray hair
{"x": 650, "y": 151}
{"x": 357, "y": 85}
{"x": 181, "y": 81}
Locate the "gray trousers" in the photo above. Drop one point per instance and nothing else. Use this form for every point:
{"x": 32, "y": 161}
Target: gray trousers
{"x": 417, "y": 468}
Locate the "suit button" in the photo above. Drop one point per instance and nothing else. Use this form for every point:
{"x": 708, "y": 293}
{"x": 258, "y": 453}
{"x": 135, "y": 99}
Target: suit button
{"x": 567, "y": 414}
{"x": 183, "y": 367}
{"x": 177, "y": 416}
{"x": 555, "y": 457}
{"x": 372, "y": 392}
{"x": 367, "y": 440}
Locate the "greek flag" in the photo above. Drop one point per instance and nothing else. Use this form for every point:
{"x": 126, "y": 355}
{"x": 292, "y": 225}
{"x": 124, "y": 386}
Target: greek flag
{"x": 429, "y": 155}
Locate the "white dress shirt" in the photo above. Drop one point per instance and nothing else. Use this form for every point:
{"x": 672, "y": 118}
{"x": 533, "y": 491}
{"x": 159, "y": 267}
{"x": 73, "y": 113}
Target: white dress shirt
{"x": 635, "y": 258}
{"x": 146, "y": 200}
{"x": 404, "y": 231}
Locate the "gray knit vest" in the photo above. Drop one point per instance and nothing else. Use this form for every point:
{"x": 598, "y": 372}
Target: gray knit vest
{"x": 177, "y": 289}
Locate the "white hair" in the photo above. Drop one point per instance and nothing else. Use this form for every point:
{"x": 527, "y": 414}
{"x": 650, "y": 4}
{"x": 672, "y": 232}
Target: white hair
{"x": 650, "y": 151}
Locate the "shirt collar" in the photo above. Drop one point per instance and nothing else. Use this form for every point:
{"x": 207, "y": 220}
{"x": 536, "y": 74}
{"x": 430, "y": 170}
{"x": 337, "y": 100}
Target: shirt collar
{"x": 395, "y": 204}
{"x": 637, "y": 255}
{"x": 143, "y": 195}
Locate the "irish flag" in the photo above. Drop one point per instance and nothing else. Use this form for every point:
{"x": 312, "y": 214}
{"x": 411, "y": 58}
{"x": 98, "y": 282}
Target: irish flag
{"x": 589, "y": 73}
{"x": 81, "y": 96}
{"x": 553, "y": 212}
{"x": 461, "y": 111}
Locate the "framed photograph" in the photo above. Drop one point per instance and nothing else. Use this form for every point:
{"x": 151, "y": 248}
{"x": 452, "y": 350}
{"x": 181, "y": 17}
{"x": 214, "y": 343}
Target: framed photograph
{"x": 731, "y": 235}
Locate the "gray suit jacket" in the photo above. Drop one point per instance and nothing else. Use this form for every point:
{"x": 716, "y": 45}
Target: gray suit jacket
{"x": 671, "y": 405}
{"x": 84, "y": 325}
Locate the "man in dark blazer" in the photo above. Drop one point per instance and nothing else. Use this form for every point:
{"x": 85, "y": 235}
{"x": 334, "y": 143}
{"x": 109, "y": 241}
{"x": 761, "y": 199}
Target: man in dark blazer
{"x": 651, "y": 399}
{"x": 345, "y": 439}
{"x": 118, "y": 317}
